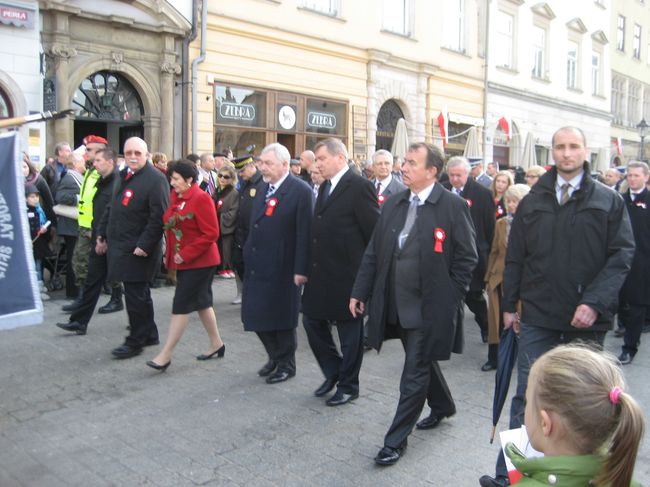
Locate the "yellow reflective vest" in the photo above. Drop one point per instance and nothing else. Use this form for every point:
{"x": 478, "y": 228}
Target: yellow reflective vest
{"x": 86, "y": 196}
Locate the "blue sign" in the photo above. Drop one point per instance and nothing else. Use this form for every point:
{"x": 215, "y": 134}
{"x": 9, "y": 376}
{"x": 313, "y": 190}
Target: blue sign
{"x": 20, "y": 299}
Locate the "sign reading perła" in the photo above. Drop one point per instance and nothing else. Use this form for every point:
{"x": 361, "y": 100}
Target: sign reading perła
{"x": 237, "y": 111}
{"x": 14, "y": 15}
{"x": 321, "y": 120}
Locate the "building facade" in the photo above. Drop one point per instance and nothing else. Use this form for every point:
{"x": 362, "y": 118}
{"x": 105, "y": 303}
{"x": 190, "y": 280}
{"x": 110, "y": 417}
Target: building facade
{"x": 630, "y": 95}
{"x": 118, "y": 65}
{"x": 548, "y": 66}
{"x": 20, "y": 77}
{"x": 297, "y": 71}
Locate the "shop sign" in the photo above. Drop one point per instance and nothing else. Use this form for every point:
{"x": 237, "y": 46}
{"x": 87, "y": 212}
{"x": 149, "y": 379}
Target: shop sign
{"x": 321, "y": 120}
{"x": 13, "y": 15}
{"x": 237, "y": 111}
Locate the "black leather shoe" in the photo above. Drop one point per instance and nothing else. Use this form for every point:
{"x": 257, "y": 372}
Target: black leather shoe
{"x": 325, "y": 387}
{"x": 625, "y": 358}
{"x": 158, "y": 367}
{"x": 487, "y": 481}
{"x": 389, "y": 455}
{"x": 73, "y": 326}
{"x": 219, "y": 353}
{"x": 126, "y": 351}
{"x": 341, "y": 398}
{"x": 268, "y": 369}
{"x": 431, "y": 421}
{"x": 152, "y": 341}
{"x": 487, "y": 366}
{"x": 111, "y": 307}
{"x": 279, "y": 376}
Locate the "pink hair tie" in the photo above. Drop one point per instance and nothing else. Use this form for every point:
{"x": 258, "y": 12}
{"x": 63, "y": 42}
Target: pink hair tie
{"x": 615, "y": 394}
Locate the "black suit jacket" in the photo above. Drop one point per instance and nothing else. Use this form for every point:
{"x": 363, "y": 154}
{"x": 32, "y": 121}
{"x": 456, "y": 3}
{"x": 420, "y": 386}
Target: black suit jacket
{"x": 636, "y": 289}
{"x": 434, "y": 288}
{"x": 341, "y": 229}
{"x": 482, "y": 210}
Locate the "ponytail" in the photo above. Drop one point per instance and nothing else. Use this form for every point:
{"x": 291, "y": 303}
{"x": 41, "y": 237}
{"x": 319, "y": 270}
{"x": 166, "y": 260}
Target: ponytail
{"x": 624, "y": 445}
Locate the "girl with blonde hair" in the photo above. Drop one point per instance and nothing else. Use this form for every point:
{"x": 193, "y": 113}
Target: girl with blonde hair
{"x": 579, "y": 415}
{"x": 501, "y": 182}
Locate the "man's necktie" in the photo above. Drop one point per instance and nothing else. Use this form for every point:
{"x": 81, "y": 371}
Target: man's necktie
{"x": 327, "y": 185}
{"x": 129, "y": 175}
{"x": 459, "y": 192}
{"x": 410, "y": 220}
{"x": 210, "y": 184}
{"x": 378, "y": 189}
{"x": 633, "y": 196}
{"x": 564, "y": 193}
{"x": 269, "y": 192}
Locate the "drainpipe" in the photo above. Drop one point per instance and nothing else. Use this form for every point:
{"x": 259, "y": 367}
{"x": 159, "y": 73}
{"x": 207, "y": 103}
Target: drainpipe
{"x": 184, "y": 81}
{"x": 485, "y": 81}
{"x": 195, "y": 63}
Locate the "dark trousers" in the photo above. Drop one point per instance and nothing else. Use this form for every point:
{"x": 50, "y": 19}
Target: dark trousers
{"x": 421, "y": 380}
{"x": 71, "y": 289}
{"x": 346, "y": 365}
{"x": 281, "y": 347}
{"x": 534, "y": 341}
{"x": 635, "y": 315}
{"x": 475, "y": 301}
{"x": 139, "y": 308}
{"x": 93, "y": 284}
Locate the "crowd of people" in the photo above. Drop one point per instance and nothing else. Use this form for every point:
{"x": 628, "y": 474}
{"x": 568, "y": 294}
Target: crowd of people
{"x": 394, "y": 248}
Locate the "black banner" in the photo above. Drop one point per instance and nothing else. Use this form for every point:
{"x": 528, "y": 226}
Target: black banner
{"x": 20, "y": 299}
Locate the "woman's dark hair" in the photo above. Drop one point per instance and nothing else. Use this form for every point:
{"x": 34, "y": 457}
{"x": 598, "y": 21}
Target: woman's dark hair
{"x": 186, "y": 169}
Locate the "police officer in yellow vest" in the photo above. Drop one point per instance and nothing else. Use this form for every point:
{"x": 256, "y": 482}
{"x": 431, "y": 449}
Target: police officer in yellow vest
{"x": 81, "y": 254}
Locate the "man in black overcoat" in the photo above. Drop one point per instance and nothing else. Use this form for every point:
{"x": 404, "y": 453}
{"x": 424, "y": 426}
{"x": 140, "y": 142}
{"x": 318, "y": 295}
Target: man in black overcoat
{"x": 481, "y": 207}
{"x": 276, "y": 254}
{"x": 344, "y": 218}
{"x": 412, "y": 281}
{"x": 130, "y": 234}
{"x": 635, "y": 293}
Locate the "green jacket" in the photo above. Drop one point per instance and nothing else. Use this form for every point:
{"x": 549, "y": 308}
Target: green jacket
{"x": 558, "y": 471}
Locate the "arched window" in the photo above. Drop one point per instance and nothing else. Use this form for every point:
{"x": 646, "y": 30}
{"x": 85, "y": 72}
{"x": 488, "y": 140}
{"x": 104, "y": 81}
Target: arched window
{"x": 107, "y": 96}
{"x": 387, "y": 118}
{"x": 6, "y": 109}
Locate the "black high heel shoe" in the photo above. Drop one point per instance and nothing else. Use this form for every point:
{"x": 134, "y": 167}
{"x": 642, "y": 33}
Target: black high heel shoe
{"x": 219, "y": 353}
{"x": 158, "y": 367}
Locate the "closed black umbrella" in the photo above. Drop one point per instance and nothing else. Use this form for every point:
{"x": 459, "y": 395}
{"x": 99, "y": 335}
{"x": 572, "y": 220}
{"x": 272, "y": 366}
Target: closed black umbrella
{"x": 507, "y": 357}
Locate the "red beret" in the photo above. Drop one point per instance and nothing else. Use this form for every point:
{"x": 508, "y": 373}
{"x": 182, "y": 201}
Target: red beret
{"x": 94, "y": 139}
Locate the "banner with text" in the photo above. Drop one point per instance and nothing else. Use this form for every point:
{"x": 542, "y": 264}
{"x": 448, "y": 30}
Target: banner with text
{"x": 20, "y": 299}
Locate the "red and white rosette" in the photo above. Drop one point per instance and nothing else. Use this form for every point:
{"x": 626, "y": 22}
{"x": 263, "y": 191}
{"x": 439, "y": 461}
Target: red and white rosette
{"x": 469, "y": 202}
{"x": 128, "y": 194}
{"x": 439, "y": 235}
{"x": 380, "y": 199}
{"x": 499, "y": 211}
{"x": 641, "y": 204}
{"x": 219, "y": 204}
{"x": 270, "y": 206}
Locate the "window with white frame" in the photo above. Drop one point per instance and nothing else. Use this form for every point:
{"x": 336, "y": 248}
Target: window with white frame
{"x": 329, "y": 7}
{"x": 646, "y": 102}
{"x": 595, "y": 73}
{"x": 572, "y": 65}
{"x": 454, "y": 25}
{"x": 634, "y": 93}
{"x": 398, "y": 16}
{"x": 620, "y": 33}
{"x": 504, "y": 38}
{"x": 636, "y": 42}
{"x": 619, "y": 99}
{"x": 539, "y": 52}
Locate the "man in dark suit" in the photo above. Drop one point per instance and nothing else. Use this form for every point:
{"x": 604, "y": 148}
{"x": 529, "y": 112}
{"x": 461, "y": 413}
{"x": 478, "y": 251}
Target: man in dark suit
{"x": 385, "y": 183}
{"x": 635, "y": 294}
{"x": 345, "y": 215}
{"x": 130, "y": 234}
{"x": 276, "y": 256}
{"x": 416, "y": 271}
{"x": 482, "y": 209}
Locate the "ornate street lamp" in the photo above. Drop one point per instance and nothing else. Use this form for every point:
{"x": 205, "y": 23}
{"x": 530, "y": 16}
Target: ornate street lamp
{"x": 642, "y": 127}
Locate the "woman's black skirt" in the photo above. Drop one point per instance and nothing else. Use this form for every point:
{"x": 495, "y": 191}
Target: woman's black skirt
{"x": 193, "y": 290}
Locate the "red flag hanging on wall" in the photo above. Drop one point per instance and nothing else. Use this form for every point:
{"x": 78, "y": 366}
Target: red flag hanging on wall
{"x": 618, "y": 143}
{"x": 443, "y": 120}
{"x": 504, "y": 123}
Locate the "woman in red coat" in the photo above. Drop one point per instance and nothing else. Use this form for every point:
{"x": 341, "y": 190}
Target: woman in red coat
{"x": 191, "y": 229}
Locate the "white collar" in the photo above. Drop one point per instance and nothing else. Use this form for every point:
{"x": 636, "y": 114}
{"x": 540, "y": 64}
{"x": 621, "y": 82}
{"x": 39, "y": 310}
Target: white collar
{"x": 384, "y": 182}
{"x": 279, "y": 182}
{"x": 424, "y": 194}
{"x": 337, "y": 177}
{"x": 573, "y": 182}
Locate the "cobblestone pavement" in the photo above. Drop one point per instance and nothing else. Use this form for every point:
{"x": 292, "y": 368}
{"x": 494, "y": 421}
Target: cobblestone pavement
{"x": 72, "y": 416}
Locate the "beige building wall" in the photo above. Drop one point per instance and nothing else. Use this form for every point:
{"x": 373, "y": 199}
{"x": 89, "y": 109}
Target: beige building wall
{"x": 354, "y": 56}
{"x": 630, "y": 77}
